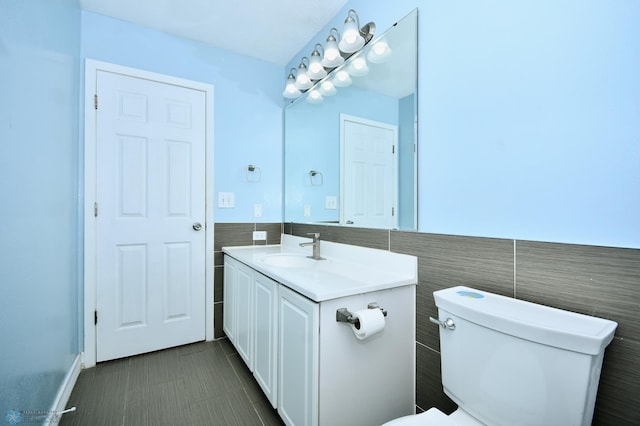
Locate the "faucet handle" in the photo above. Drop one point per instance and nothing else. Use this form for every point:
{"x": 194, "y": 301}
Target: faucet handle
{"x": 315, "y": 235}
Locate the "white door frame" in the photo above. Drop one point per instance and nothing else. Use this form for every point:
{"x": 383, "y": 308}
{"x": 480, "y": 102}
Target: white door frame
{"x": 90, "y": 278}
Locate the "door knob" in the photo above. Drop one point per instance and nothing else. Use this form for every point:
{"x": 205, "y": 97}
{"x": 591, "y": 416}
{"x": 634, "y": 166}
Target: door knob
{"x": 197, "y": 226}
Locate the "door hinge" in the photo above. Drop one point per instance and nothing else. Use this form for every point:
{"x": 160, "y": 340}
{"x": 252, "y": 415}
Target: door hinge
{"x": 95, "y": 317}
{"x": 393, "y": 211}
{"x": 393, "y": 149}
{"x": 95, "y": 101}
{"x": 95, "y": 209}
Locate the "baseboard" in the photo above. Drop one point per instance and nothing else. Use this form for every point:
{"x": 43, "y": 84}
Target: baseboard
{"x": 64, "y": 392}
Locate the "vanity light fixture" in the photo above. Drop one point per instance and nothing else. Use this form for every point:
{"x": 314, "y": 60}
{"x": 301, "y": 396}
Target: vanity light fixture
{"x": 303, "y": 82}
{"x": 332, "y": 57}
{"x": 329, "y": 59}
{"x": 352, "y": 40}
{"x": 316, "y": 70}
{"x": 290, "y": 89}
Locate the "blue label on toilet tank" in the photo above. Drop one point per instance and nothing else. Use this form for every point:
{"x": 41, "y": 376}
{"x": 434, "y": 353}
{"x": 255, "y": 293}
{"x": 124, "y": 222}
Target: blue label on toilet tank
{"x": 470, "y": 294}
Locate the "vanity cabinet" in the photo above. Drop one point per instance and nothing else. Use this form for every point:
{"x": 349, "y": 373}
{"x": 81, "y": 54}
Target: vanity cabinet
{"x": 314, "y": 369}
{"x": 250, "y": 321}
{"x": 238, "y": 315}
{"x": 299, "y": 330}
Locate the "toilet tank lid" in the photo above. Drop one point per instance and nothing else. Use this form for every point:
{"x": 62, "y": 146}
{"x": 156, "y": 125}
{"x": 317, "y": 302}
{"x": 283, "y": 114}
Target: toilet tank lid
{"x": 530, "y": 321}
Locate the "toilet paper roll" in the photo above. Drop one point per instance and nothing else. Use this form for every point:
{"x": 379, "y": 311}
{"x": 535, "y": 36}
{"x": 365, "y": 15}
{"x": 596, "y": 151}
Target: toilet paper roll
{"x": 368, "y": 322}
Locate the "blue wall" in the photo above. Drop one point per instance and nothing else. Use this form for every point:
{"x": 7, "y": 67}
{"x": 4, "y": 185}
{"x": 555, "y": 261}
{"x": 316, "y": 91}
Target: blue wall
{"x": 247, "y": 105}
{"x": 39, "y": 60}
{"x": 529, "y": 117}
{"x": 406, "y": 160}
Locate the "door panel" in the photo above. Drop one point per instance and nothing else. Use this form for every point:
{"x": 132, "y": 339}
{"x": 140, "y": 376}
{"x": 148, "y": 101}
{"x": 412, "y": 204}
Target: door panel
{"x": 150, "y": 191}
{"x": 369, "y": 186}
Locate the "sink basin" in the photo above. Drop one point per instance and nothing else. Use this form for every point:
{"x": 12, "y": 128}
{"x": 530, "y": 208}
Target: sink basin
{"x": 287, "y": 260}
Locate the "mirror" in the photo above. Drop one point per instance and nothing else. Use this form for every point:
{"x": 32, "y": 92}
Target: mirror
{"x": 351, "y": 158}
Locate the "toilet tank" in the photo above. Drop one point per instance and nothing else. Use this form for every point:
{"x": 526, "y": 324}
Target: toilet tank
{"x": 511, "y": 362}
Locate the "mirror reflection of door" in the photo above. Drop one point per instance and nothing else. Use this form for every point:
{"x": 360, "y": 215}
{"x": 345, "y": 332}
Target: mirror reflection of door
{"x": 368, "y": 195}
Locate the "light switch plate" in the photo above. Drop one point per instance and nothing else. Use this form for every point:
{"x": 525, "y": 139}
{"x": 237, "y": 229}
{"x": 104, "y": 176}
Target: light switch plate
{"x": 226, "y": 200}
{"x": 331, "y": 202}
{"x": 307, "y": 210}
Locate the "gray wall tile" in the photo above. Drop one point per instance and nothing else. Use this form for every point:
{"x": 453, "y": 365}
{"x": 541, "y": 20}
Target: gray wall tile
{"x": 372, "y": 238}
{"x": 617, "y": 402}
{"x": 274, "y": 230}
{"x": 429, "y": 392}
{"x": 233, "y": 234}
{"x": 447, "y": 261}
{"x": 599, "y": 281}
{"x": 218, "y": 284}
{"x": 218, "y": 310}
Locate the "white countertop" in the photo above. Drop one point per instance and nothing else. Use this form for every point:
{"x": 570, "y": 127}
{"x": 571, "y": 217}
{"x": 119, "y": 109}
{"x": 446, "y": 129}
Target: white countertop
{"x": 346, "y": 270}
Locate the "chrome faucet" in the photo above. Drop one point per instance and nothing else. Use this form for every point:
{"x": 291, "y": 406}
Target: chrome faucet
{"x": 316, "y": 246}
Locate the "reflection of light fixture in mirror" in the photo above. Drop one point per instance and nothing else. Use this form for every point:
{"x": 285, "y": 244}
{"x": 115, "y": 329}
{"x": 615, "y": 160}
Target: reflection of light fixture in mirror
{"x": 379, "y": 52}
{"x": 316, "y": 70}
{"x": 315, "y": 97}
{"x": 303, "y": 81}
{"x": 358, "y": 67}
{"x": 327, "y": 88}
{"x": 352, "y": 40}
{"x": 342, "y": 79}
{"x": 290, "y": 89}
{"x": 332, "y": 58}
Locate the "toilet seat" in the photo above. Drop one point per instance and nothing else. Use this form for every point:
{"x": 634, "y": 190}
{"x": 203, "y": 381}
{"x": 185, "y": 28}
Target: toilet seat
{"x": 431, "y": 417}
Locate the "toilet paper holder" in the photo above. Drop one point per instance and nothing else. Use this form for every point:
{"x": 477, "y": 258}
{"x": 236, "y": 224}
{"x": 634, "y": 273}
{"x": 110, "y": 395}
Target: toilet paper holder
{"x": 343, "y": 314}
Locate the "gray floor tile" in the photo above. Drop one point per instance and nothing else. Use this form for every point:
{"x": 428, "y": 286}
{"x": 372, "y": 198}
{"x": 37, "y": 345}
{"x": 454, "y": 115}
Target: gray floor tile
{"x": 200, "y": 384}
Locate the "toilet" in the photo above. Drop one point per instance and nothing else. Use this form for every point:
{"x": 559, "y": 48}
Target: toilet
{"x": 510, "y": 362}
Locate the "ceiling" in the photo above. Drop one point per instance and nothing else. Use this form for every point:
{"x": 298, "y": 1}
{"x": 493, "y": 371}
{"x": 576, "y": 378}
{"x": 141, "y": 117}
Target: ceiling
{"x": 273, "y": 31}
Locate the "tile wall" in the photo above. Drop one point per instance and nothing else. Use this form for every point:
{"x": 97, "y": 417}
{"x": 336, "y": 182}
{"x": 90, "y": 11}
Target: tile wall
{"x": 600, "y": 281}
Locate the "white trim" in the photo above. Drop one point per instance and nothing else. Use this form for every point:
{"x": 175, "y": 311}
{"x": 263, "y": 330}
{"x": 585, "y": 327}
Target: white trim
{"x": 91, "y": 69}
{"x": 64, "y": 392}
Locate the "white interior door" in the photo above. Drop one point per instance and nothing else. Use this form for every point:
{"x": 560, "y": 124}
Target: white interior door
{"x": 369, "y": 173}
{"x": 150, "y": 192}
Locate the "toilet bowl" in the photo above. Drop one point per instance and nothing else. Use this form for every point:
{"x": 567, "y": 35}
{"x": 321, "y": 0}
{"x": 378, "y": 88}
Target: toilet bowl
{"x": 506, "y": 362}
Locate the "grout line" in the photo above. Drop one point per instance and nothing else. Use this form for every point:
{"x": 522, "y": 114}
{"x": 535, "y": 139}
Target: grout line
{"x": 515, "y": 294}
{"x": 243, "y": 384}
{"x": 126, "y": 392}
{"x": 427, "y": 347}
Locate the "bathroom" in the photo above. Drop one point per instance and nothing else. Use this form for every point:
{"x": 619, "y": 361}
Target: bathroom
{"x": 528, "y": 169}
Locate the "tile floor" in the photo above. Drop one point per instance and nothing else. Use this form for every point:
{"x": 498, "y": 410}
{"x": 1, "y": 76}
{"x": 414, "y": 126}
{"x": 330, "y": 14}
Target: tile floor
{"x": 204, "y": 383}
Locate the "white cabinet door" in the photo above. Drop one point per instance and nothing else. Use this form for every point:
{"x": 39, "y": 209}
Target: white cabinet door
{"x": 266, "y": 336}
{"x": 238, "y": 306}
{"x": 244, "y": 313}
{"x": 229, "y": 327}
{"x": 298, "y": 359}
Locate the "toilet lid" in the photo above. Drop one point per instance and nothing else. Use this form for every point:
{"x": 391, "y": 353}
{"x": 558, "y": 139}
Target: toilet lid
{"x": 431, "y": 417}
